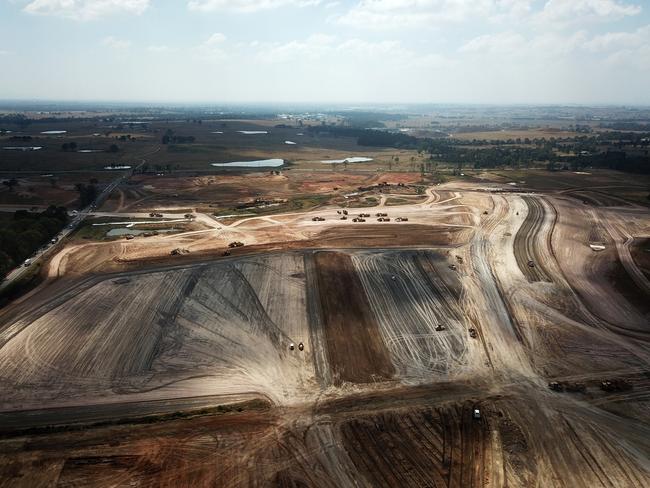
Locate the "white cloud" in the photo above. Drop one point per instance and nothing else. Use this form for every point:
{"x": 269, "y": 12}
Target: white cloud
{"x": 620, "y": 40}
{"x": 216, "y": 38}
{"x": 386, "y": 14}
{"x": 565, "y": 12}
{"x": 247, "y": 6}
{"x": 115, "y": 43}
{"x": 213, "y": 48}
{"x": 86, "y": 9}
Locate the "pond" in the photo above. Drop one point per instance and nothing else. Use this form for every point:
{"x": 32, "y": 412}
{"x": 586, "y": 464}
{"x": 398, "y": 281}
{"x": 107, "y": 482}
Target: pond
{"x": 261, "y": 163}
{"x": 355, "y": 159}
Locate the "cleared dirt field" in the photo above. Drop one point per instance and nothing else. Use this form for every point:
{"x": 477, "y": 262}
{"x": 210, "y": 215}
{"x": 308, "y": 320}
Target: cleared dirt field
{"x": 180, "y": 372}
{"x": 526, "y": 244}
{"x": 355, "y": 349}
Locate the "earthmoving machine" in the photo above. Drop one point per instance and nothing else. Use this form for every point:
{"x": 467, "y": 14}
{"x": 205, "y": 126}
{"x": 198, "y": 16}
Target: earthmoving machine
{"x": 292, "y": 346}
{"x": 555, "y": 386}
{"x": 473, "y": 333}
{"x": 343, "y": 218}
{"x": 301, "y": 347}
{"x": 440, "y": 327}
{"x": 402, "y": 219}
{"x": 531, "y": 264}
{"x": 235, "y": 244}
{"x": 476, "y": 414}
{"x": 226, "y": 253}
{"x": 381, "y": 214}
{"x": 318, "y": 219}
{"x": 345, "y": 212}
{"x": 358, "y": 219}
{"x": 453, "y": 267}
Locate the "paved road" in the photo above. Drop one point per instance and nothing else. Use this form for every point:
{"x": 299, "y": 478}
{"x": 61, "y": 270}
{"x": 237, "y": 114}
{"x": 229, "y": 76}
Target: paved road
{"x": 78, "y": 218}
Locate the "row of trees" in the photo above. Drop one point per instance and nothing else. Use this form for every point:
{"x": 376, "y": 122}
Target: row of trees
{"x": 24, "y": 232}
{"x": 171, "y": 138}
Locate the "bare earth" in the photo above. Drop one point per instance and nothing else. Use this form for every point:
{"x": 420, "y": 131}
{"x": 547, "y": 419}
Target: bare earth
{"x": 112, "y": 371}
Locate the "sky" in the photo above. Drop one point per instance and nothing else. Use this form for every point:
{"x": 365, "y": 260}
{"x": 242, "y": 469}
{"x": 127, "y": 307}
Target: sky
{"x": 323, "y": 51}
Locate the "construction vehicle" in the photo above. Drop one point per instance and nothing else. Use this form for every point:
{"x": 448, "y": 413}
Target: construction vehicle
{"x": 345, "y": 212}
{"x": 473, "y": 333}
{"x": 453, "y": 267}
{"x": 531, "y": 264}
{"x": 358, "y": 219}
{"x": 129, "y": 237}
{"x": 615, "y": 385}
{"x": 440, "y": 327}
{"x": 301, "y": 347}
{"x": 476, "y": 414}
{"x": 338, "y": 212}
{"x": 226, "y": 253}
{"x": 555, "y": 386}
{"x": 318, "y": 219}
{"x": 27, "y": 263}
{"x": 402, "y": 219}
{"x": 381, "y": 215}
{"x": 362, "y": 215}
{"x": 235, "y": 244}
{"x": 179, "y": 251}
{"x": 343, "y": 218}
{"x": 292, "y": 346}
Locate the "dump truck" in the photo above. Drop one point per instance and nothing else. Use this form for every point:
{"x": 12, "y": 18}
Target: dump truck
{"x": 235, "y": 244}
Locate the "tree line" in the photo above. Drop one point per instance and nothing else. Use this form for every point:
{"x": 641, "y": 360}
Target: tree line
{"x": 24, "y": 232}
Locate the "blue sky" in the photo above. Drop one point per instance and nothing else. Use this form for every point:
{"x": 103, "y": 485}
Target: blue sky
{"x": 447, "y": 51}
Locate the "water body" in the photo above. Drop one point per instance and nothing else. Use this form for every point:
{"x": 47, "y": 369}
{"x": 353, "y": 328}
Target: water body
{"x": 355, "y": 159}
{"x": 262, "y": 163}
{"x": 23, "y": 148}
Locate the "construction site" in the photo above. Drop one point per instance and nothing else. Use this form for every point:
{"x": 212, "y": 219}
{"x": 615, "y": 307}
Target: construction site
{"x": 465, "y": 337}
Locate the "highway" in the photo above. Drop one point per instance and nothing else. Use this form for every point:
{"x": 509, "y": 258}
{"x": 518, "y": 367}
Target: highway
{"x": 78, "y": 217}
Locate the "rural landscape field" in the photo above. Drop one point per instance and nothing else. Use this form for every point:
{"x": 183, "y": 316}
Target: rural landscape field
{"x": 310, "y": 243}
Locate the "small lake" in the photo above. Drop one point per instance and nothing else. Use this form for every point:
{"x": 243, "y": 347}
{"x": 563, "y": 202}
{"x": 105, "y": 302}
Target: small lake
{"x": 349, "y": 160}
{"x": 262, "y": 163}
